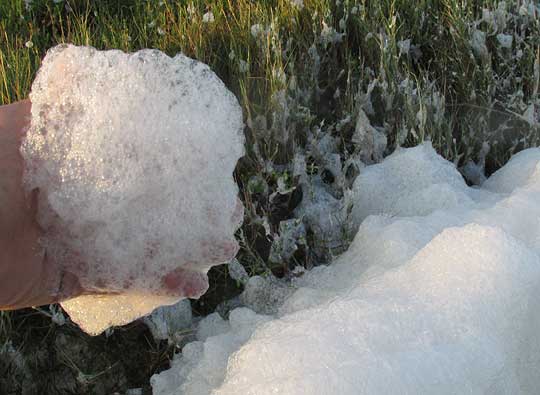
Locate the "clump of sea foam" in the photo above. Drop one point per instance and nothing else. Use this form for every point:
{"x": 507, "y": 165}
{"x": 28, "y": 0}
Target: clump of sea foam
{"x": 133, "y": 155}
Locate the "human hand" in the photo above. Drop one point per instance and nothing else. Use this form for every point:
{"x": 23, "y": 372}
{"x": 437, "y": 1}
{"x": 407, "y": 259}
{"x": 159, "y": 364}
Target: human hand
{"x": 27, "y": 276}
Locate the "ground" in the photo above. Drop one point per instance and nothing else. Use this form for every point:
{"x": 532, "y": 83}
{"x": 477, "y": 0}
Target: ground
{"x": 327, "y": 82}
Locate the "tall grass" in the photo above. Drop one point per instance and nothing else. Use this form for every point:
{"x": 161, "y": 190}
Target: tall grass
{"x": 256, "y": 66}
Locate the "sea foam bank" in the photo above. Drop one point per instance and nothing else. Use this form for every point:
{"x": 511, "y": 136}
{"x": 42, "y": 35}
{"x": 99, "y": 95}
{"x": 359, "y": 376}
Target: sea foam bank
{"x": 438, "y": 293}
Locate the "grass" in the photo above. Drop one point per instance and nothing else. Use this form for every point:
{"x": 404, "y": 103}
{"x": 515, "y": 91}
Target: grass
{"x": 303, "y": 71}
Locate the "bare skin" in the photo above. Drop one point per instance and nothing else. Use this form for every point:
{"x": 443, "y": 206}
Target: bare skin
{"x": 27, "y": 277}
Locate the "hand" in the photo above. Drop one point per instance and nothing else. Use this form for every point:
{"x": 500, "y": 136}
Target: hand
{"x": 27, "y": 277}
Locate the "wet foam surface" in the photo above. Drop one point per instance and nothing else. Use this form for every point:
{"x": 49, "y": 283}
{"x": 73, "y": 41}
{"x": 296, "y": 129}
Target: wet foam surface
{"x": 438, "y": 293}
{"x": 133, "y": 155}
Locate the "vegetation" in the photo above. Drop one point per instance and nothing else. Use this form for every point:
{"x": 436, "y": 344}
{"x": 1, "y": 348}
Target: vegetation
{"x": 463, "y": 74}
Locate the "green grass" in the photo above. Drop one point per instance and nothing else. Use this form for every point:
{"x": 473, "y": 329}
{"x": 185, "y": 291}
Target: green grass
{"x": 296, "y": 83}
{"x": 441, "y": 29}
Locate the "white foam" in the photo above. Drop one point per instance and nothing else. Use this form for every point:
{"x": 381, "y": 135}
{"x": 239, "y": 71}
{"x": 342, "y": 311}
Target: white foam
{"x": 441, "y": 297}
{"x": 522, "y": 170}
{"x": 170, "y": 322}
{"x": 410, "y": 182}
{"x": 133, "y": 155}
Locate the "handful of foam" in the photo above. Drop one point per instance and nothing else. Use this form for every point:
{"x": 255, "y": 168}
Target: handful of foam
{"x": 133, "y": 155}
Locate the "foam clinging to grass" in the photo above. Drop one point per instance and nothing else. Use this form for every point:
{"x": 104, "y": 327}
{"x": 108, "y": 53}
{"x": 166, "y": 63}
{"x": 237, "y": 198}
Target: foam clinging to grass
{"x": 133, "y": 155}
{"x": 439, "y": 298}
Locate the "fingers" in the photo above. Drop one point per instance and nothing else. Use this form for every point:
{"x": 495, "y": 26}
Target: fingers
{"x": 31, "y": 280}
{"x": 25, "y": 279}
{"x": 191, "y": 283}
{"x": 187, "y": 283}
{"x": 15, "y": 118}
{"x": 70, "y": 287}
